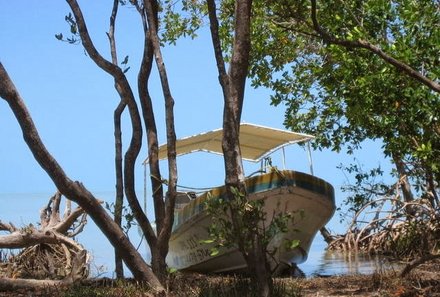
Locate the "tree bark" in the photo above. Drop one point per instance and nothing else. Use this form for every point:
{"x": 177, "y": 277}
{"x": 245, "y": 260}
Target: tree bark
{"x": 119, "y": 199}
{"x": 328, "y": 238}
{"x": 233, "y": 86}
{"x": 151, "y": 131}
{"x": 74, "y": 191}
{"x": 160, "y": 251}
{"x": 260, "y": 270}
{"x": 164, "y": 211}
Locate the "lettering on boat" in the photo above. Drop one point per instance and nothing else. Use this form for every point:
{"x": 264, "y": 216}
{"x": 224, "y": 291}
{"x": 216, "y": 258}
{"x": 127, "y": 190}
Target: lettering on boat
{"x": 191, "y": 251}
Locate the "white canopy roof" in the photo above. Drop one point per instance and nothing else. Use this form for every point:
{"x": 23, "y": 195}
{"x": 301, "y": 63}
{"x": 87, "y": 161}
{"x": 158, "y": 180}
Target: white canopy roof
{"x": 256, "y": 142}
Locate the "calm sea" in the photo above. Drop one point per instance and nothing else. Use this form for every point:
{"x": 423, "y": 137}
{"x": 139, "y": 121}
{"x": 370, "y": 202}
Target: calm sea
{"x": 23, "y": 209}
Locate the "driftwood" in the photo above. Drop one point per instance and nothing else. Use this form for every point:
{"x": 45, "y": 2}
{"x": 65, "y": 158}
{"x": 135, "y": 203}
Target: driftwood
{"x": 49, "y": 255}
{"x": 410, "y": 266}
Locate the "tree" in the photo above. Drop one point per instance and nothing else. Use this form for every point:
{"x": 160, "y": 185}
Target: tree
{"x": 233, "y": 87}
{"x": 358, "y": 42}
{"x": 164, "y": 210}
{"x": 230, "y": 28}
{"x": 74, "y": 190}
{"x": 349, "y": 71}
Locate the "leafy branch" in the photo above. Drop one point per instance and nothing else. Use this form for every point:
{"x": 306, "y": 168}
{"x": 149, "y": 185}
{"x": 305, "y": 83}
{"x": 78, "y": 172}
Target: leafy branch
{"x": 74, "y": 38}
{"x": 361, "y": 43}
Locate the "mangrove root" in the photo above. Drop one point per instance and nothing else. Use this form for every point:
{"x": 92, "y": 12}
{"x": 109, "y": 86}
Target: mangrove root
{"x": 49, "y": 255}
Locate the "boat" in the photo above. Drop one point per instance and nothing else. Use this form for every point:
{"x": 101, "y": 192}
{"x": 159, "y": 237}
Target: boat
{"x": 283, "y": 191}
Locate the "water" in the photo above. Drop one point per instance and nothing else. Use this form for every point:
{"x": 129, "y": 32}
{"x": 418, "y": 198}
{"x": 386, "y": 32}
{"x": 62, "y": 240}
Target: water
{"x": 22, "y": 209}
{"x": 324, "y": 263}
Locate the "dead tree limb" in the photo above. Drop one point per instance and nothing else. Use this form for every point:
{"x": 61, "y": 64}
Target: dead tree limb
{"x": 410, "y": 266}
{"x": 49, "y": 255}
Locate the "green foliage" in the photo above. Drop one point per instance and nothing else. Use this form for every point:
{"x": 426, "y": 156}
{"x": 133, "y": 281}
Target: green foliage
{"x": 367, "y": 185}
{"x": 344, "y": 96}
{"x": 73, "y": 28}
{"x": 181, "y": 19}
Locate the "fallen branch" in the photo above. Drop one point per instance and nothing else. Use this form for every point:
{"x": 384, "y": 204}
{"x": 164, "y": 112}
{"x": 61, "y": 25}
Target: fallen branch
{"x": 417, "y": 262}
{"x": 30, "y": 236}
{"x": 12, "y": 283}
{"x": 49, "y": 255}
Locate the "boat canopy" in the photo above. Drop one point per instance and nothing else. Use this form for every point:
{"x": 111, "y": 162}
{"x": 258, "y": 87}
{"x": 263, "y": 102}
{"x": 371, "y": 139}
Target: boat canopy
{"x": 256, "y": 142}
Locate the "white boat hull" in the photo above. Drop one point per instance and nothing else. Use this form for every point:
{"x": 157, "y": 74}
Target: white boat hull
{"x": 283, "y": 192}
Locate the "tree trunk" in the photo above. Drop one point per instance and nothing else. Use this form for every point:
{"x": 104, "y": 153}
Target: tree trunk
{"x": 405, "y": 185}
{"x": 166, "y": 224}
{"x": 74, "y": 191}
{"x": 119, "y": 199}
{"x": 158, "y": 264}
{"x": 259, "y": 269}
{"x": 233, "y": 86}
{"x": 328, "y": 238}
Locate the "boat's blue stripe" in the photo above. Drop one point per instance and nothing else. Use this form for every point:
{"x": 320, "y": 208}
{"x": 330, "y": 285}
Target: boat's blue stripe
{"x": 258, "y": 184}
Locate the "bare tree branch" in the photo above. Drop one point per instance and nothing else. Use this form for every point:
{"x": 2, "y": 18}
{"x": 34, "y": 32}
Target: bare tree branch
{"x": 29, "y": 236}
{"x": 124, "y": 90}
{"x": 215, "y": 36}
{"x": 151, "y": 130}
{"x": 151, "y": 11}
{"x": 7, "y": 227}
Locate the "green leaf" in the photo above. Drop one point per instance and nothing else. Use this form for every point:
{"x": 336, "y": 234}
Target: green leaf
{"x": 207, "y": 241}
{"x": 214, "y": 252}
{"x": 73, "y": 29}
{"x": 292, "y": 244}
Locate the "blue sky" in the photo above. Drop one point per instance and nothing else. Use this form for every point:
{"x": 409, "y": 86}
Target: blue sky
{"x": 72, "y": 100}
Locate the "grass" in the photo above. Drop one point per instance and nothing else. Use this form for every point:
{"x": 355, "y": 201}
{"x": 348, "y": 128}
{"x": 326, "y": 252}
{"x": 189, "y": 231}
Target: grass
{"x": 424, "y": 281}
{"x": 185, "y": 286}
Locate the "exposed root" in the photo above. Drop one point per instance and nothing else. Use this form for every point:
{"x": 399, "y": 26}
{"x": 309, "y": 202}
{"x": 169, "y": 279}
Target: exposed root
{"x": 393, "y": 231}
{"x": 46, "y": 261}
{"x": 49, "y": 256}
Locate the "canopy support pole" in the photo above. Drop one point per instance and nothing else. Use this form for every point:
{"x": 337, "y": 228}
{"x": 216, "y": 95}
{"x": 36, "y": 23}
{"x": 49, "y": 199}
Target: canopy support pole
{"x": 284, "y": 159}
{"x": 309, "y": 153}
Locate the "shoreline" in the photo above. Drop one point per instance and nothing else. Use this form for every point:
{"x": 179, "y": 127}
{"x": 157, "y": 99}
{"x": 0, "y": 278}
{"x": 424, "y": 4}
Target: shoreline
{"x": 424, "y": 280}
